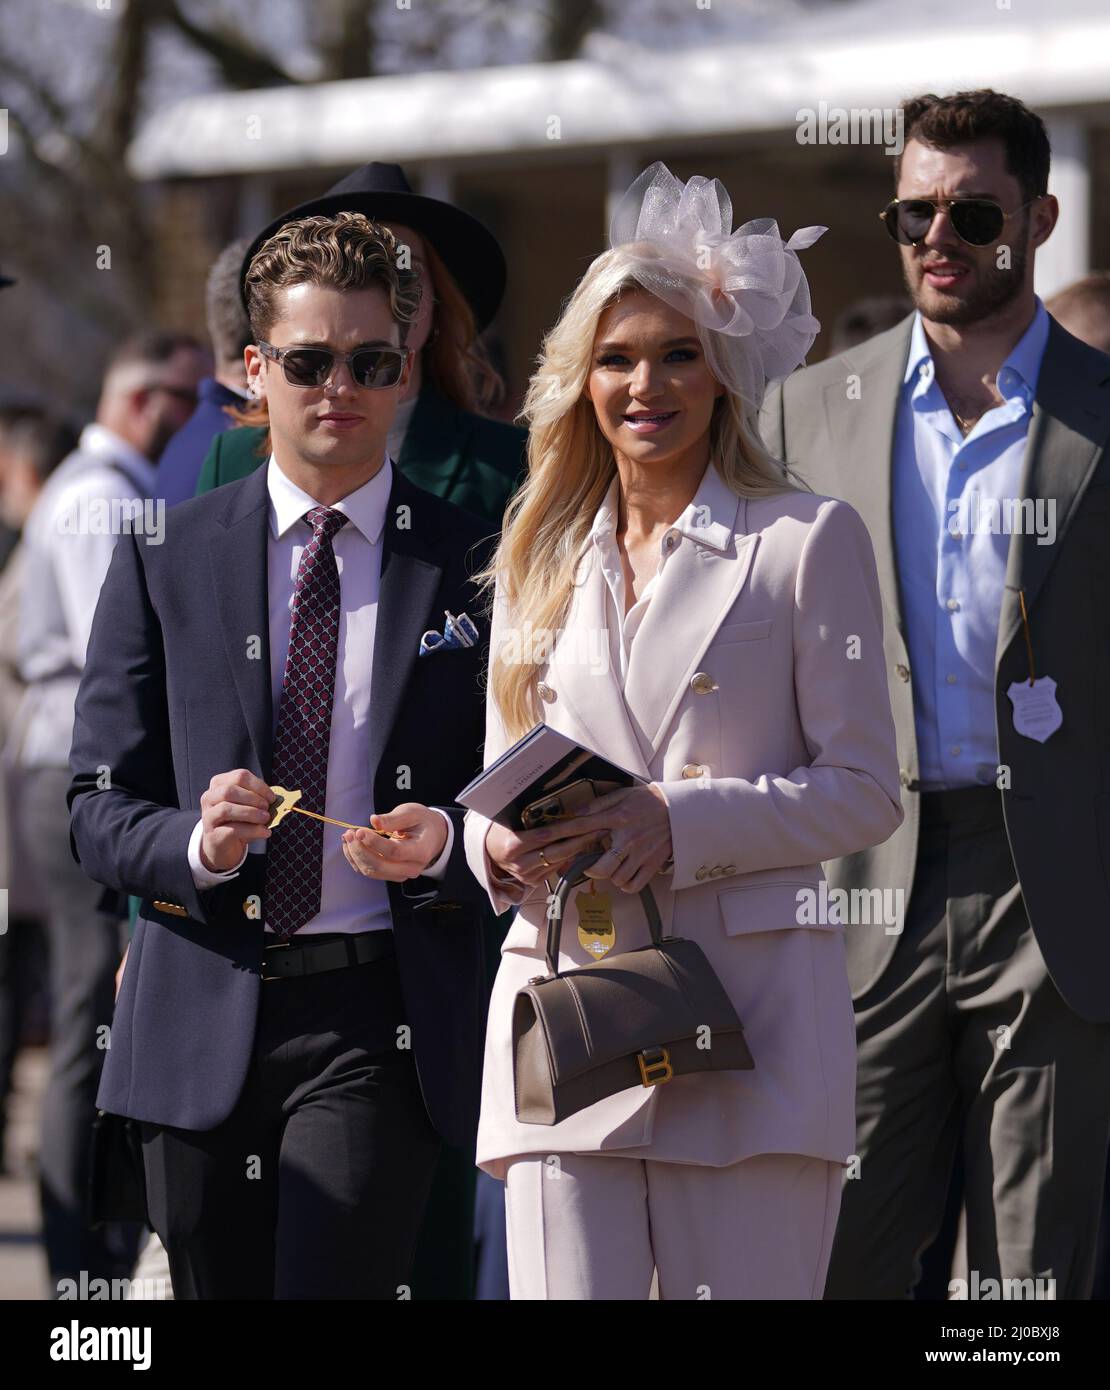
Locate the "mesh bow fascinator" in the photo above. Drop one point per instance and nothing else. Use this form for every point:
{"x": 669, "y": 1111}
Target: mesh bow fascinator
{"x": 746, "y": 287}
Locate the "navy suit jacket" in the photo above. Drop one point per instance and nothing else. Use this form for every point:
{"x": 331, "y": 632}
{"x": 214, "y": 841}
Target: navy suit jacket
{"x": 180, "y": 464}
{"x": 176, "y": 688}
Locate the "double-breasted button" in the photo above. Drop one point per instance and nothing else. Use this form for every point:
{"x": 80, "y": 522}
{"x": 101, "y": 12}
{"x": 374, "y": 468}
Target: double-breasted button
{"x": 902, "y": 671}
{"x": 545, "y": 692}
{"x": 694, "y": 770}
{"x": 702, "y": 683}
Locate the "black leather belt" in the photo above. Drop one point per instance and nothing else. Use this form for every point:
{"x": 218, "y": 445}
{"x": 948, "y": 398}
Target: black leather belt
{"x": 286, "y": 960}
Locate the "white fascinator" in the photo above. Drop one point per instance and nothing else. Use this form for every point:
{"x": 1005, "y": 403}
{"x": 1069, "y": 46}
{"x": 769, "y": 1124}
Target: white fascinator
{"x": 746, "y": 287}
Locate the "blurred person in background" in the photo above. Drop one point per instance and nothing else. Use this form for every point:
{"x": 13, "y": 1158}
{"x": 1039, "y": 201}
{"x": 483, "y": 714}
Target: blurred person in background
{"x": 229, "y": 331}
{"x": 32, "y": 444}
{"x": 149, "y": 391}
{"x": 1083, "y": 308}
{"x": 866, "y": 317}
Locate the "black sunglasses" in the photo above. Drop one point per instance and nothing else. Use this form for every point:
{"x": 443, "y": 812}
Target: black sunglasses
{"x": 374, "y": 368}
{"x": 978, "y": 221}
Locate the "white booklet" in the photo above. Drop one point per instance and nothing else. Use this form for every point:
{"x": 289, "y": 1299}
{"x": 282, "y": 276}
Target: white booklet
{"x": 543, "y": 777}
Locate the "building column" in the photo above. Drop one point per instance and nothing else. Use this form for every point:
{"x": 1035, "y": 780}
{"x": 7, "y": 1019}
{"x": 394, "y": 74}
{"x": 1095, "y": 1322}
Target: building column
{"x": 1065, "y": 256}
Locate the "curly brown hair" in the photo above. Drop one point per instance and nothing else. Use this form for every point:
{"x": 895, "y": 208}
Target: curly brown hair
{"x": 343, "y": 252}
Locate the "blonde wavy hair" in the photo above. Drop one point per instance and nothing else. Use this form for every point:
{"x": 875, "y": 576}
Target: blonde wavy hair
{"x": 570, "y": 468}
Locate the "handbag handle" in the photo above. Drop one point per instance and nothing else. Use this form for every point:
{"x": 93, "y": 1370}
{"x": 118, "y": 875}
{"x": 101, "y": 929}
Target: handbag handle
{"x": 571, "y": 878}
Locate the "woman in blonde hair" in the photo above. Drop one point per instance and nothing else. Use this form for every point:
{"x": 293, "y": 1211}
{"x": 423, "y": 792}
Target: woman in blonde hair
{"x": 666, "y": 597}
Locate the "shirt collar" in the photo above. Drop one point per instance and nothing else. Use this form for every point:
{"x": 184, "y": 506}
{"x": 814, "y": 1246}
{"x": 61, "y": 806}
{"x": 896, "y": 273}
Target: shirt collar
{"x": 1017, "y": 375}
{"x": 103, "y": 443}
{"x": 365, "y": 507}
{"x": 703, "y": 519}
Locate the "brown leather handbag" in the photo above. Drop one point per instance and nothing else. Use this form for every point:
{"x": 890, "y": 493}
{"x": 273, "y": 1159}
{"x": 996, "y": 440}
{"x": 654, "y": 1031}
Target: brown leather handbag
{"x": 639, "y": 1018}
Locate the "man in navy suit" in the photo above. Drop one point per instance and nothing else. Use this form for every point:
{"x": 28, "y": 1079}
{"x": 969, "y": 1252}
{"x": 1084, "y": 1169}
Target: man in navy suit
{"x": 295, "y": 1034}
{"x": 230, "y": 333}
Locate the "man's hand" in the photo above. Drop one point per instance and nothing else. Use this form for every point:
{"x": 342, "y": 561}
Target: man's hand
{"x": 234, "y": 810}
{"x": 418, "y": 837}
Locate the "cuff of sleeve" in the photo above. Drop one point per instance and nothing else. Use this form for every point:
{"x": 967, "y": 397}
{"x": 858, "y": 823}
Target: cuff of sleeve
{"x": 207, "y": 878}
{"x": 438, "y": 867}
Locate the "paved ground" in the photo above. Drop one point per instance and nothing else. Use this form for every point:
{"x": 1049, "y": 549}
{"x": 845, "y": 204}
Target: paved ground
{"x": 22, "y": 1263}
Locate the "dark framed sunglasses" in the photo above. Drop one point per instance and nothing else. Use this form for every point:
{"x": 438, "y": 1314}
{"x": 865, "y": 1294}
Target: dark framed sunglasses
{"x": 978, "y": 221}
{"x": 374, "y": 368}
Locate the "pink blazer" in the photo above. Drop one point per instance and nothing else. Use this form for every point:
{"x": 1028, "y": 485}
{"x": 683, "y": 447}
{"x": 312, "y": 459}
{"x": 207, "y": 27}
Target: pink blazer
{"x": 784, "y": 757}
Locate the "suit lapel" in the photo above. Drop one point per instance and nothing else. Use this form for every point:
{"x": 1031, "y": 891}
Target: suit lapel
{"x": 240, "y": 570}
{"x": 411, "y": 574}
{"x": 594, "y": 702}
{"x": 862, "y": 428}
{"x": 1068, "y": 431}
{"x": 699, "y": 584}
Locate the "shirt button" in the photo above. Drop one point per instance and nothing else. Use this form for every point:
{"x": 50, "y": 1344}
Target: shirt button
{"x": 545, "y": 692}
{"x": 955, "y": 750}
{"x": 671, "y": 540}
{"x": 693, "y": 770}
{"x": 902, "y": 672}
{"x": 953, "y": 605}
{"x": 956, "y": 535}
{"x": 702, "y": 683}
{"x": 950, "y": 678}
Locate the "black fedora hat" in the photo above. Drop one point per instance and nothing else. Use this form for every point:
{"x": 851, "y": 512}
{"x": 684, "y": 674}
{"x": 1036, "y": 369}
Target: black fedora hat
{"x": 382, "y": 192}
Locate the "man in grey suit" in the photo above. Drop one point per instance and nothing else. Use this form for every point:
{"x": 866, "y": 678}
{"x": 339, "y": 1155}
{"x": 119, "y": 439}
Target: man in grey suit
{"x": 973, "y": 439}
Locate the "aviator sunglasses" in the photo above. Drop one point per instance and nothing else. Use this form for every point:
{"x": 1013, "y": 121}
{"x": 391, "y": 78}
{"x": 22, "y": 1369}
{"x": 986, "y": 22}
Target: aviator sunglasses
{"x": 978, "y": 221}
{"x": 372, "y": 367}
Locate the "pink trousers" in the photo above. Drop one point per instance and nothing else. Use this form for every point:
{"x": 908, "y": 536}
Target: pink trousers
{"x": 590, "y": 1226}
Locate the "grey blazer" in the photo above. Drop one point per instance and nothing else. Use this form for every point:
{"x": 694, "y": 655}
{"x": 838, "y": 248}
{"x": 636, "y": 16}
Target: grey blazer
{"x": 838, "y": 435}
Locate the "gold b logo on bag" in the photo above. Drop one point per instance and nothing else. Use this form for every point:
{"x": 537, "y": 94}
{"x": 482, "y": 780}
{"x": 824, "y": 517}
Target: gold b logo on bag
{"x": 655, "y": 1066}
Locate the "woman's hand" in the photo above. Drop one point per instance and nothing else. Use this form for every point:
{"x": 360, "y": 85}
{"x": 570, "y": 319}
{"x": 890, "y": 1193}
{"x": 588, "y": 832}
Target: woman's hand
{"x": 637, "y": 825}
{"x": 530, "y": 856}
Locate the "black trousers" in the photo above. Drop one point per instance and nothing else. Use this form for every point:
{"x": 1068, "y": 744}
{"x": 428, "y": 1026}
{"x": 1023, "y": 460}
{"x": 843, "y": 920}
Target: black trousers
{"x": 315, "y": 1184}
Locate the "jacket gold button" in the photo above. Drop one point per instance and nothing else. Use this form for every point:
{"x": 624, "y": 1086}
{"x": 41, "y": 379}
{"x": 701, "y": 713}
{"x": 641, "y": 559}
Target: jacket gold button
{"x": 545, "y": 692}
{"x": 693, "y": 770}
{"x": 729, "y": 869}
{"x": 702, "y": 873}
{"x": 903, "y": 672}
{"x": 702, "y": 683}
{"x": 903, "y": 777}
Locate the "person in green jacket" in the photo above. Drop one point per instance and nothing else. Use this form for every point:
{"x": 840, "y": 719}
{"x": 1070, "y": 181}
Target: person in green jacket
{"x": 441, "y": 442}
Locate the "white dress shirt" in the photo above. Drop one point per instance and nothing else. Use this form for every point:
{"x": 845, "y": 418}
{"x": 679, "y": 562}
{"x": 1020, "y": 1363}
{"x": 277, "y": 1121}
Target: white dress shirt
{"x": 349, "y": 901}
{"x": 621, "y": 626}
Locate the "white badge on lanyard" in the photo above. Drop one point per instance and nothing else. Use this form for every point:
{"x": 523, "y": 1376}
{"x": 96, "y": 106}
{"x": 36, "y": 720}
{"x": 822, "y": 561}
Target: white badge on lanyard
{"x": 1037, "y": 712}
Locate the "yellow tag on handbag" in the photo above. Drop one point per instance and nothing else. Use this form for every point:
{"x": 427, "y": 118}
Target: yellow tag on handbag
{"x": 596, "y": 933}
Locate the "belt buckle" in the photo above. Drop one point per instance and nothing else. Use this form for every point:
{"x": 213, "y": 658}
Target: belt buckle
{"x": 655, "y": 1066}
{"x": 277, "y": 946}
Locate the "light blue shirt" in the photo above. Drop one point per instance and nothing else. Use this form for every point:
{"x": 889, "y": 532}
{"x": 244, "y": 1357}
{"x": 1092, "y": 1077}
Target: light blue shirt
{"x": 952, "y": 544}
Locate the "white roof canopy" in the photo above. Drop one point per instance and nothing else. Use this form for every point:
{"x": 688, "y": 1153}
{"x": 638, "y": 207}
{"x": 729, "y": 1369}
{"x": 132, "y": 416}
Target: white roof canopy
{"x": 628, "y": 97}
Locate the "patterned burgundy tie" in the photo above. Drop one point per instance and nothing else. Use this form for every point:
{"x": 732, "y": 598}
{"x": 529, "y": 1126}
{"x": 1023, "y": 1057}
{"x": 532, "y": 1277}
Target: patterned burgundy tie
{"x": 295, "y": 857}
